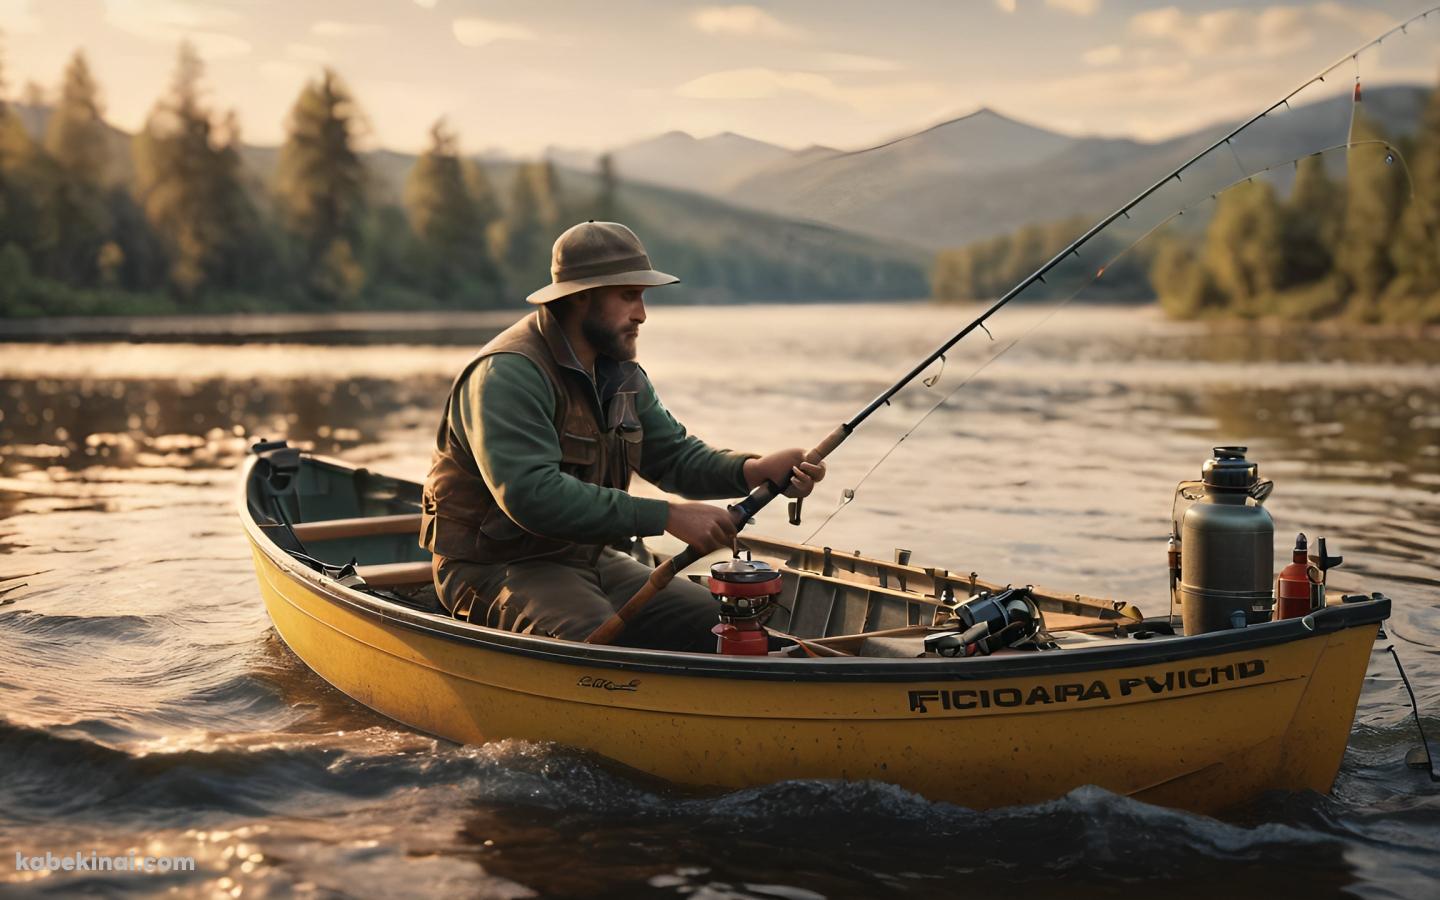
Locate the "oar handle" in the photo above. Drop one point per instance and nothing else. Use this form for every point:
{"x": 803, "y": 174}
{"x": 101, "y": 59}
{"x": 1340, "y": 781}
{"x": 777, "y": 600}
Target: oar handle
{"x": 740, "y": 513}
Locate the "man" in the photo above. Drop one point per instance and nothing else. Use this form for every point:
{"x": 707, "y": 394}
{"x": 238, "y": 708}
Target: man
{"x": 533, "y": 458}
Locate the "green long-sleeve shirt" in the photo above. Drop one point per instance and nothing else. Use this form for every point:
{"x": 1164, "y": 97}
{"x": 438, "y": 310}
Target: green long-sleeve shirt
{"x": 505, "y": 410}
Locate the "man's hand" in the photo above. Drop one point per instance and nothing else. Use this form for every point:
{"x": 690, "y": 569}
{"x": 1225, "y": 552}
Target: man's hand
{"x": 701, "y": 525}
{"x": 782, "y": 463}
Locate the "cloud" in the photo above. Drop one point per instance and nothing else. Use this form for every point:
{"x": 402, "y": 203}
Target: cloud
{"x": 1268, "y": 33}
{"x": 332, "y": 29}
{"x": 1367, "y": 22}
{"x": 212, "y": 45}
{"x": 479, "y": 32}
{"x": 1006, "y": 6}
{"x": 854, "y": 62}
{"x": 1075, "y": 7}
{"x": 285, "y": 71}
{"x": 307, "y": 53}
{"x": 16, "y": 17}
{"x": 745, "y": 21}
{"x": 1103, "y": 56}
{"x": 764, "y": 84}
{"x": 1169, "y": 97}
{"x": 170, "y": 21}
{"x": 754, "y": 84}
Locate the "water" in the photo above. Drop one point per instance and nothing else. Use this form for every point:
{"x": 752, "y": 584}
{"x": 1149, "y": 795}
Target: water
{"x": 148, "y": 705}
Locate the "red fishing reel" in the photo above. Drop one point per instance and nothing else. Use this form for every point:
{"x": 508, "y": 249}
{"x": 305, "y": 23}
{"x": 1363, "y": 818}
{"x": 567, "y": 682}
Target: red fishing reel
{"x": 746, "y": 590}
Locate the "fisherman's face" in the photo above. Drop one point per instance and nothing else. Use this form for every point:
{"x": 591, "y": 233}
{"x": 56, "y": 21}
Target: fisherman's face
{"x": 612, "y": 324}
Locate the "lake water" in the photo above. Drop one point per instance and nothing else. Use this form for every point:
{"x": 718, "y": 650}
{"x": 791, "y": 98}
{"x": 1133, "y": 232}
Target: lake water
{"x": 149, "y": 706}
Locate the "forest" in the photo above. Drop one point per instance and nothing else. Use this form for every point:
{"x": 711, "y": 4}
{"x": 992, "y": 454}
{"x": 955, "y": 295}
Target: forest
{"x": 1360, "y": 244}
{"x": 183, "y": 217}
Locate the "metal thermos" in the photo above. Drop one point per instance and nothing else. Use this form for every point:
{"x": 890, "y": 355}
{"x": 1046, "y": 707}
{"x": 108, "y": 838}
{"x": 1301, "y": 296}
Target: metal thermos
{"x": 1227, "y": 541}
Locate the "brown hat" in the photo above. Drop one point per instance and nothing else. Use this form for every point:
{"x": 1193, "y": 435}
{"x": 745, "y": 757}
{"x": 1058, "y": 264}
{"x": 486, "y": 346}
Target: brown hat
{"x": 597, "y": 254}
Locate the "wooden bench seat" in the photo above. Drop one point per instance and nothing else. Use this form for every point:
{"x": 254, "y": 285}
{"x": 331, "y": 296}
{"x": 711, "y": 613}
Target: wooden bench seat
{"x": 406, "y": 574}
{"x": 340, "y": 529}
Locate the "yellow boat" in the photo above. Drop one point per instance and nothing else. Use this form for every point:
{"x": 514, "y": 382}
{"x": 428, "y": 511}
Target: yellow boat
{"x": 1201, "y": 723}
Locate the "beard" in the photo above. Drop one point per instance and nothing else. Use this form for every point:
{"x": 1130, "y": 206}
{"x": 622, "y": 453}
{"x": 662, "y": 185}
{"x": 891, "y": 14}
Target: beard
{"x": 616, "y": 343}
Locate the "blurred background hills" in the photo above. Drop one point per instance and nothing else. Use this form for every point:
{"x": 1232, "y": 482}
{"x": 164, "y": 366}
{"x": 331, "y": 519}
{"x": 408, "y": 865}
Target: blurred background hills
{"x": 185, "y": 216}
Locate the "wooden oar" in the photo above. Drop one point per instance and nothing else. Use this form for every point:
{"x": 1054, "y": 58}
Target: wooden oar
{"x": 741, "y": 513}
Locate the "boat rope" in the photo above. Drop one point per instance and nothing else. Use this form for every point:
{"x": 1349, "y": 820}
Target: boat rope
{"x": 1415, "y": 708}
{"x": 847, "y": 495}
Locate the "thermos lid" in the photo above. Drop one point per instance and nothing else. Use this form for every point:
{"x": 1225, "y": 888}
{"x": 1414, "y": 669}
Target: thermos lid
{"x": 1230, "y": 470}
{"x": 743, "y": 571}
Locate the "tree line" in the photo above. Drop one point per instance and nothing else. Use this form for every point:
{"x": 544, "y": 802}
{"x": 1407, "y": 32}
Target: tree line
{"x": 176, "y": 221}
{"x": 1360, "y": 247}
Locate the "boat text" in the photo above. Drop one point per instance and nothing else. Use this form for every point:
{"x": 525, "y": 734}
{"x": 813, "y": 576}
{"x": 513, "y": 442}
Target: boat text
{"x": 1081, "y": 692}
{"x": 605, "y": 684}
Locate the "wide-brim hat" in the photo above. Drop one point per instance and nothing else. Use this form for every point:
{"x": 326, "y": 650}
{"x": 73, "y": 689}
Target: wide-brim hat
{"x": 598, "y": 254}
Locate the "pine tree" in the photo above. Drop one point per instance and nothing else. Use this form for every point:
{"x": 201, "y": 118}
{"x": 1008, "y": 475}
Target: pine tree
{"x": 189, "y": 177}
{"x": 1243, "y": 256}
{"x": 528, "y": 229}
{"x": 482, "y": 192}
{"x": 76, "y": 221}
{"x": 953, "y": 278}
{"x": 1416, "y": 251}
{"x": 1375, "y": 191}
{"x": 76, "y": 136}
{"x": 17, "y": 158}
{"x": 1025, "y": 254}
{"x": 1181, "y": 281}
{"x": 607, "y": 199}
{"x": 549, "y": 199}
{"x": 1312, "y": 218}
{"x": 321, "y": 186}
{"x": 450, "y": 222}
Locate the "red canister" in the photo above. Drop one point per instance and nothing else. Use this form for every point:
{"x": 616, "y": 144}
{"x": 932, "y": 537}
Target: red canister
{"x": 1292, "y": 588}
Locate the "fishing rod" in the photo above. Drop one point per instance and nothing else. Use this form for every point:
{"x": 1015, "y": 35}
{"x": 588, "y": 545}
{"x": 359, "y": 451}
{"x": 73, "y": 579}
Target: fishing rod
{"x": 743, "y": 512}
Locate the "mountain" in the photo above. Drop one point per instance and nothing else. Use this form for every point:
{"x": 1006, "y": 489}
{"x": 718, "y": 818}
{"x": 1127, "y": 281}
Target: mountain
{"x": 676, "y": 159}
{"x": 721, "y": 251}
{"x": 887, "y": 189}
{"x": 36, "y": 120}
{"x": 986, "y": 174}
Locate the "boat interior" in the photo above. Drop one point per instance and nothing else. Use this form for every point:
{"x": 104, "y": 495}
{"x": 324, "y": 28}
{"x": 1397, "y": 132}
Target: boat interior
{"x": 361, "y": 528}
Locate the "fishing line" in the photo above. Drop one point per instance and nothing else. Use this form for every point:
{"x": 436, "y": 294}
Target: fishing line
{"x": 1415, "y": 708}
{"x": 847, "y": 495}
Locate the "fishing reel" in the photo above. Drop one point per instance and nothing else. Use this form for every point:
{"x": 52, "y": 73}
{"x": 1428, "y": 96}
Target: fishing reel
{"x": 747, "y": 590}
{"x": 993, "y": 621}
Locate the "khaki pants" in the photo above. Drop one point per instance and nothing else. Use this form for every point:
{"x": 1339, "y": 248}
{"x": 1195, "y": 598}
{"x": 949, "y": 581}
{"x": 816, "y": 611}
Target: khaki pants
{"x": 570, "y": 595}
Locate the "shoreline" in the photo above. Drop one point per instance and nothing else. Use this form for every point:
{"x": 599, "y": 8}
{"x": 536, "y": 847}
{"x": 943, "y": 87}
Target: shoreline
{"x": 457, "y": 327}
{"x": 460, "y": 327}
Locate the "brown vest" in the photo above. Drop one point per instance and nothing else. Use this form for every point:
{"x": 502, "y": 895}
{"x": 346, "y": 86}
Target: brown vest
{"x": 460, "y": 517}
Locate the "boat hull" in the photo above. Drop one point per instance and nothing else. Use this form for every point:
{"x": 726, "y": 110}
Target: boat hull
{"x": 1199, "y": 723}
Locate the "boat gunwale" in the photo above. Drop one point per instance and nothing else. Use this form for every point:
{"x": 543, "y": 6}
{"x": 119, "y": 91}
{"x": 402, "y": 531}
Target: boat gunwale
{"x": 828, "y": 669}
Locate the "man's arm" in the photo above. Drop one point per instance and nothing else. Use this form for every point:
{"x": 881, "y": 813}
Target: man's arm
{"x": 680, "y": 463}
{"x": 505, "y": 409}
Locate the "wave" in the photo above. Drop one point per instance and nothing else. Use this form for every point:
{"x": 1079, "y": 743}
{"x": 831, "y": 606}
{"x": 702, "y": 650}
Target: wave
{"x": 515, "y": 786}
{"x": 50, "y": 776}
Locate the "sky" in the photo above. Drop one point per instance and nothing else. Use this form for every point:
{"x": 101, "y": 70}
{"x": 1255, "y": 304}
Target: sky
{"x": 517, "y": 76}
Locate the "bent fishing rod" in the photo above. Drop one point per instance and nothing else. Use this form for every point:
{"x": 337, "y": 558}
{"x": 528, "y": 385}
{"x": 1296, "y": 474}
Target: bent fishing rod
{"x": 743, "y": 512}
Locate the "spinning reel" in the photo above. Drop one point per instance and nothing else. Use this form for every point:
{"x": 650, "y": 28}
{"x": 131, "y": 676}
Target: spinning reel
{"x": 993, "y": 621}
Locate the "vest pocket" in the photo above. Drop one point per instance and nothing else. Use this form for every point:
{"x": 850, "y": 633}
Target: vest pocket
{"x": 578, "y": 449}
{"x": 634, "y": 441}
{"x": 499, "y": 527}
